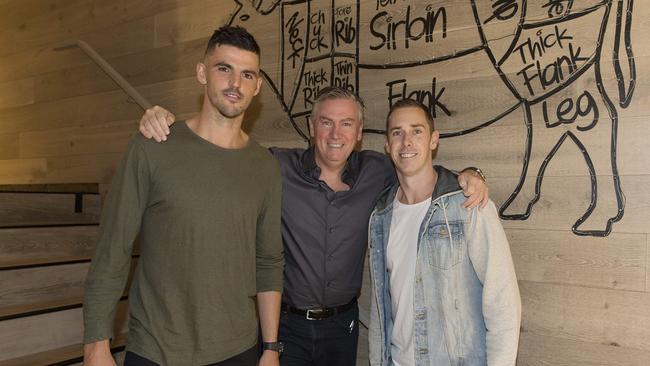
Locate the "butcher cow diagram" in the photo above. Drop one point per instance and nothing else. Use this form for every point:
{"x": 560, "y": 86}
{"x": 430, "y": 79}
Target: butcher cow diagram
{"x": 538, "y": 61}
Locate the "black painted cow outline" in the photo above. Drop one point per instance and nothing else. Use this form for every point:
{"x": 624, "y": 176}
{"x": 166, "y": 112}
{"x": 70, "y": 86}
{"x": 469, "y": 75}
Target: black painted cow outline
{"x": 622, "y": 32}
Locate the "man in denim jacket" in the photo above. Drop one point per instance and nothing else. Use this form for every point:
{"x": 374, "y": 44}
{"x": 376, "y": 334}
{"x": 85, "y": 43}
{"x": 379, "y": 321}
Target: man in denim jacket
{"x": 444, "y": 285}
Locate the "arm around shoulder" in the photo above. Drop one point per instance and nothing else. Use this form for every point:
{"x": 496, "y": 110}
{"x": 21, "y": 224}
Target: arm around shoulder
{"x": 155, "y": 123}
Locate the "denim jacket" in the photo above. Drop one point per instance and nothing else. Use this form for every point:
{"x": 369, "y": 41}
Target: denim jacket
{"x": 466, "y": 301}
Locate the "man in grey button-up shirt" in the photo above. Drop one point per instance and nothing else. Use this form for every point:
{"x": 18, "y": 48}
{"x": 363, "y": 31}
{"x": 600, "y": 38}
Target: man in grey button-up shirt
{"x": 329, "y": 191}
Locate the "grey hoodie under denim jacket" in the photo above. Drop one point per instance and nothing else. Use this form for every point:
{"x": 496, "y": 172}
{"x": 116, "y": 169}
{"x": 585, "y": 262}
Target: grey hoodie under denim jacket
{"x": 466, "y": 301}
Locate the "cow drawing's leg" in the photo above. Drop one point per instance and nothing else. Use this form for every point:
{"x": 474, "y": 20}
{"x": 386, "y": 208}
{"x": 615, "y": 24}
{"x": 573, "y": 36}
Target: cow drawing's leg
{"x": 600, "y": 139}
{"x": 582, "y": 117}
{"x": 541, "y": 145}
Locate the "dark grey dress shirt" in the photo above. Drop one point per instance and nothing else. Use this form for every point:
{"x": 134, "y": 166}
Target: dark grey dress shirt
{"x": 325, "y": 233}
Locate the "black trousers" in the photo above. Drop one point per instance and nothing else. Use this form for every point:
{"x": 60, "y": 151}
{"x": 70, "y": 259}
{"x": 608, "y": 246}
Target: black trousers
{"x": 328, "y": 342}
{"x": 247, "y": 358}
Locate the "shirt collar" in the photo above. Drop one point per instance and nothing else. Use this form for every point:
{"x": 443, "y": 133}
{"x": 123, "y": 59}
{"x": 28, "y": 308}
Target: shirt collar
{"x": 350, "y": 173}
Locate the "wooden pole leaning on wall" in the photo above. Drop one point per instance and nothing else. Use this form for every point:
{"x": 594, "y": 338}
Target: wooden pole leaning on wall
{"x": 108, "y": 69}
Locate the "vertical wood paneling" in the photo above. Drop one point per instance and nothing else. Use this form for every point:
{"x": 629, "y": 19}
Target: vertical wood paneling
{"x": 616, "y": 262}
{"x": 8, "y": 146}
{"x": 74, "y": 18}
{"x": 16, "y": 171}
{"x": 109, "y": 137}
{"x": 206, "y": 17}
{"x": 16, "y": 93}
{"x": 535, "y": 350}
{"x": 109, "y": 43}
{"x": 611, "y": 317}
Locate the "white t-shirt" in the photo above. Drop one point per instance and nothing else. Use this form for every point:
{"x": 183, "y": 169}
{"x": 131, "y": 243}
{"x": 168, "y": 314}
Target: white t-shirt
{"x": 401, "y": 256}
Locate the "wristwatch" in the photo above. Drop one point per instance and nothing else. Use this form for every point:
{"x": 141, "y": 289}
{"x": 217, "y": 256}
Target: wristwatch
{"x": 478, "y": 172}
{"x": 273, "y": 346}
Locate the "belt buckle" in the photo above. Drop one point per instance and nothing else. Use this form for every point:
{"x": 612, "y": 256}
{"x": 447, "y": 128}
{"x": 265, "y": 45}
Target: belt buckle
{"x": 313, "y": 311}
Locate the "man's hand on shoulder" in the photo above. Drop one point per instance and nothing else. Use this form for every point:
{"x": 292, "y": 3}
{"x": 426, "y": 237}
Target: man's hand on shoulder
{"x": 155, "y": 123}
{"x": 474, "y": 188}
{"x": 98, "y": 354}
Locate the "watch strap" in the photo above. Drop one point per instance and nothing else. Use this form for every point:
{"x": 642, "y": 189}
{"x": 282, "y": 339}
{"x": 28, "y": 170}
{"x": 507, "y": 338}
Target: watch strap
{"x": 478, "y": 172}
{"x": 273, "y": 346}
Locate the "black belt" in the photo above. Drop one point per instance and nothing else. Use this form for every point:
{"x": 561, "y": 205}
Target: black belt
{"x": 322, "y": 313}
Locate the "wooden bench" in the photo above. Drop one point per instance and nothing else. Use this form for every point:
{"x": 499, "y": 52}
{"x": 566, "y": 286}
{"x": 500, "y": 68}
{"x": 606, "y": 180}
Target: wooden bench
{"x": 51, "y": 338}
{"x": 47, "y": 239}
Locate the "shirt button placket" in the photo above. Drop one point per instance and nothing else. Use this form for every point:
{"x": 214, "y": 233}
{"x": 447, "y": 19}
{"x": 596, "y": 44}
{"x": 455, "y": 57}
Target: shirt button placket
{"x": 326, "y": 255}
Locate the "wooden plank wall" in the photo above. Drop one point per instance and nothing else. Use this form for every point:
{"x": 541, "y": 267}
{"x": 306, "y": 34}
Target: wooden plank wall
{"x": 586, "y": 298}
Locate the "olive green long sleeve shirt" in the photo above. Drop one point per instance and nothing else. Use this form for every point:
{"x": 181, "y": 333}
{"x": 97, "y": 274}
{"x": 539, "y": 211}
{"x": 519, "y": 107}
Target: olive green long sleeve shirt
{"x": 208, "y": 220}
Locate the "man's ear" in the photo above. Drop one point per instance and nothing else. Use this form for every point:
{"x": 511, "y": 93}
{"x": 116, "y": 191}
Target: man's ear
{"x": 386, "y": 147}
{"x": 360, "y": 132}
{"x": 200, "y": 73}
{"x": 259, "y": 86}
{"x": 435, "y": 138}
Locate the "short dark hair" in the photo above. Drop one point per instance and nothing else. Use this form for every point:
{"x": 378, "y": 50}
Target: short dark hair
{"x": 235, "y": 36}
{"x": 337, "y": 92}
{"x": 405, "y": 103}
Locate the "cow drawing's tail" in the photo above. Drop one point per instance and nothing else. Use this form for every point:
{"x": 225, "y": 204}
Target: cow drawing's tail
{"x": 623, "y": 35}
